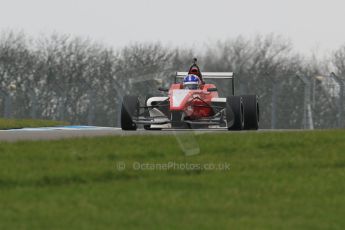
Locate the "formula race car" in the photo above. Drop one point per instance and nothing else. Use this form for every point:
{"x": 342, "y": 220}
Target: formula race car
{"x": 192, "y": 104}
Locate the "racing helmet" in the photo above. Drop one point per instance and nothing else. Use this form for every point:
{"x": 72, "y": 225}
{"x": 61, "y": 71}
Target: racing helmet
{"x": 191, "y": 81}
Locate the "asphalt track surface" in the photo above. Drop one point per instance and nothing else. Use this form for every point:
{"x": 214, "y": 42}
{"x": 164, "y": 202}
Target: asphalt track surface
{"x": 55, "y": 134}
{"x": 62, "y": 133}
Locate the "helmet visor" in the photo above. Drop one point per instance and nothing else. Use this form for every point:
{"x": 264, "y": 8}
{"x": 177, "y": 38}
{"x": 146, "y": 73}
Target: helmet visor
{"x": 191, "y": 86}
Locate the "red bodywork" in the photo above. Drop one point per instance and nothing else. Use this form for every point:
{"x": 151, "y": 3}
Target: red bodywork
{"x": 194, "y": 103}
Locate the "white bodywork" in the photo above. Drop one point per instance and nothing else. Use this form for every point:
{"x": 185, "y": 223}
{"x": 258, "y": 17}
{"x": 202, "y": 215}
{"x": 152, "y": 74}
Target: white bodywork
{"x": 178, "y": 96}
{"x": 219, "y": 99}
{"x": 152, "y": 99}
{"x": 156, "y": 112}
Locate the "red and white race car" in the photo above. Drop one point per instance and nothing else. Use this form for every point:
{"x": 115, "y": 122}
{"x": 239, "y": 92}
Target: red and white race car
{"x": 199, "y": 107}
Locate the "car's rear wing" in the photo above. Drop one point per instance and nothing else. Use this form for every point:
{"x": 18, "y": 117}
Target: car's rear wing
{"x": 212, "y": 75}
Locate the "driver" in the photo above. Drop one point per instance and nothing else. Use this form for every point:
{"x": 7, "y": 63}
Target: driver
{"x": 191, "y": 81}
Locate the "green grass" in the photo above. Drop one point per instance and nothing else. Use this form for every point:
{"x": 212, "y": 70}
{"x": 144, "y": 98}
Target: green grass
{"x": 27, "y": 123}
{"x": 292, "y": 180}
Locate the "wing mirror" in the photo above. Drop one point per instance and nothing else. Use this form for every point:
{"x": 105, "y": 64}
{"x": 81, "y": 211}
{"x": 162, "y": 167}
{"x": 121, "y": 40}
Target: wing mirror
{"x": 163, "y": 89}
{"x": 212, "y": 90}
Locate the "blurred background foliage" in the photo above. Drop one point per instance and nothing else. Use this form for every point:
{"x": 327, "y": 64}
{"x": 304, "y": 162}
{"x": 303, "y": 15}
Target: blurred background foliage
{"x": 77, "y": 80}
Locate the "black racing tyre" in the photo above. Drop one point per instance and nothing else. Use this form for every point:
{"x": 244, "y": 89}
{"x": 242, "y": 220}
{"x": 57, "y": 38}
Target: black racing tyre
{"x": 251, "y": 112}
{"x": 129, "y": 109}
{"x": 234, "y": 113}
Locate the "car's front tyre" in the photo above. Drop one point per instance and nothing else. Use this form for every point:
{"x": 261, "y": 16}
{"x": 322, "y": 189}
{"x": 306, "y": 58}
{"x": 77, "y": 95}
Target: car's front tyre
{"x": 129, "y": 110}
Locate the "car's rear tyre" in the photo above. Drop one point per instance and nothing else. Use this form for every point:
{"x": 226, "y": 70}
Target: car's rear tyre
{"x": 234, "y": 113}
{"x": 129, "y": 109}
{"x": 251, "y": 112}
